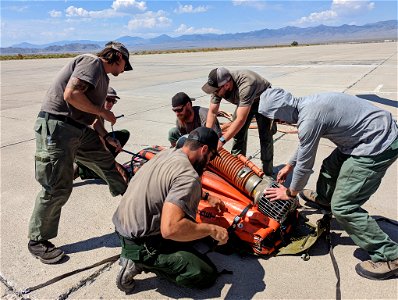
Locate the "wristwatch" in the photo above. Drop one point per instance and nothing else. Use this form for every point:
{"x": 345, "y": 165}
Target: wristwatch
{"x": 222, "y": 140}
{"x": 289, "y": 194}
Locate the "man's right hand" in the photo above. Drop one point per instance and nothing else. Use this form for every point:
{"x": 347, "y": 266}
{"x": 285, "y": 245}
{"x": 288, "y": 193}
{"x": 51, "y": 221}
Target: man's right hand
{"x": 108, "y": 116}
{"x": 282, "y": 174}
{"x": 220, "y": 234}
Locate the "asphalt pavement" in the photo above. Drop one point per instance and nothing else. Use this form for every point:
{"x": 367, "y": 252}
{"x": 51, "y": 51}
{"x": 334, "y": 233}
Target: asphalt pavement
{"x": 86, "y": 232}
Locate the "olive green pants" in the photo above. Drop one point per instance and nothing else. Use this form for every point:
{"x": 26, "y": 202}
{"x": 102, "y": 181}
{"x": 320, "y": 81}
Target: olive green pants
{"x": 122, "y": 136}
{"x": 58, "y": 144}
{"x": 266, "y": 129}
{"x": 347, "y": 182}
{"x": 178, "y": 262}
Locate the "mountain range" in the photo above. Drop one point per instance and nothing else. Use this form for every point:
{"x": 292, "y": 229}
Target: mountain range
{"x": 384, "y": 30}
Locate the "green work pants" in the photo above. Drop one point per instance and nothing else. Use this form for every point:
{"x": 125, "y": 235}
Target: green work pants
{"x": 347, "y": 182}
{"x": 178, "y": 262}
{"x": 58, "y": 144}
{"x": 121, "y": 135}
{"x": 174, "y": 135}
{"x": 266, "y": 129}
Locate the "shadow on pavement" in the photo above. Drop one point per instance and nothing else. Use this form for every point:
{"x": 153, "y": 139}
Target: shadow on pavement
{"x": 377, "y": 99}
{"x": 109, "y": 240}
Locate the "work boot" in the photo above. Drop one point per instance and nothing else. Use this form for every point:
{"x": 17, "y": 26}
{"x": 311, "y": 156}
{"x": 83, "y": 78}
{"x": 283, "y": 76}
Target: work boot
{"x": 125, "y": 279}
{"x": 45, "y": 251}
{"x": 311, "y": 196}
{"x": 377, "y": 270}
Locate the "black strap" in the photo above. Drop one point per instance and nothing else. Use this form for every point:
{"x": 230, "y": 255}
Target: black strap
{"x": 328, "y": 218}
{"x": 238, "y": 218}
{"x": 109, "y": 260}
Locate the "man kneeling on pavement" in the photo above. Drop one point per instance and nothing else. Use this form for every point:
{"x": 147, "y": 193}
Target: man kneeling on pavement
{"x": 155, "y": 218}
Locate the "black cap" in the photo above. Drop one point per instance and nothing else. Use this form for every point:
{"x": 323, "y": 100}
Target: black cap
{"x": 205, "y": 136}
{"x": 123, "y": 50}
{"x": 216, "y": 79}
{"x": 112, "y": 93}
{"x": 180, "y": 99}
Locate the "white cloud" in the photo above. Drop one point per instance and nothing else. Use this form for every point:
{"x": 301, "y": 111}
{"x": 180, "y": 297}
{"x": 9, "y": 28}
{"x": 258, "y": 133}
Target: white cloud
{"x": 184, "y": 29}
{"x": 350, "y": 5}
{"x": 338, "y": 9}
{"x": 149, "y": 19}
{"x": 125, "y": 4}
{"x": 118, "y": 8}
{"x": 72, "y": 11}
{"x": 260, "y": 5}
{"x": 318, "y": 17}
{"x": 55, "y": 13}
{"x": 186, "y": 9}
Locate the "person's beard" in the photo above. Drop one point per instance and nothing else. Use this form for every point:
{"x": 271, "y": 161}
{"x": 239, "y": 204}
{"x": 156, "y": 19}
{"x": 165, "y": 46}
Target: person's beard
{"x": 227, "y": 94}
{"x": 186, "y": 116}
{"x": 200, "y": 165}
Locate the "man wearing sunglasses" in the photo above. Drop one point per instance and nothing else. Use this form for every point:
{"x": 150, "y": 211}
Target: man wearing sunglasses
{"x": 114, "y": 141}
{"x": 188, "y": 117}
{"x": 155, "y": 219}
{"x": 242, "y": 88}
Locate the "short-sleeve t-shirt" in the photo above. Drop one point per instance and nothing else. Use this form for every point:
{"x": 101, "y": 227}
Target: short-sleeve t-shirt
{"x": 199, "y": 120}
{"x": 168, "y": 177}
{"x": 86, "y": 67}
{"x": 247, "y": 88}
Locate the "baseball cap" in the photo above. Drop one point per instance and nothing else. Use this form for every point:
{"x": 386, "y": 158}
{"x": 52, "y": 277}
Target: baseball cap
{"x": 205, "y": 136}
{"x": 123, "y": 50}
{"x": 180, "y": 99}
{"x": 217, "y": 78}
{"x": 112, "y": 93}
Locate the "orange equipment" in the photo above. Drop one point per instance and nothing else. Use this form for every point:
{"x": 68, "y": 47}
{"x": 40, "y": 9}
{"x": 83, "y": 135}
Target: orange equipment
{"x": 248, "y": 213}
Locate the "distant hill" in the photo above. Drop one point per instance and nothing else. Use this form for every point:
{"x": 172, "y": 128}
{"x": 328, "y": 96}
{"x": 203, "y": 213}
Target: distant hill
{"x": 384, "y": 30}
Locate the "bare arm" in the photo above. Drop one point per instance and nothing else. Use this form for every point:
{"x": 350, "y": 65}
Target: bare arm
{"x": 212, "y": 114}
{"x": 74, "y": 94}
{"x": 237, "y": 124}
{"x": 175, "y": 226}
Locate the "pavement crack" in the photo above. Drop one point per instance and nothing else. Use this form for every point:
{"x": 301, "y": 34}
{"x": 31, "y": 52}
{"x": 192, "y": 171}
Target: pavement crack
{"x": 90, "y": 279}
{"x": 366, "y": 74}
{"x": 10, "y": 289}
{"x": 17, "y": 143}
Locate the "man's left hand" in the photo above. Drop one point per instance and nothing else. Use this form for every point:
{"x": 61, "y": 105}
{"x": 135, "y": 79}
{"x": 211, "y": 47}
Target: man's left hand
{"x": 115, "y": 143}
{"x": 278, "y": 193}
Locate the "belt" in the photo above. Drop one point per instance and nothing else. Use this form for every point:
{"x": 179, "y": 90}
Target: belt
{"x": 152, "y": 239}
{"x": 65, "y": 119}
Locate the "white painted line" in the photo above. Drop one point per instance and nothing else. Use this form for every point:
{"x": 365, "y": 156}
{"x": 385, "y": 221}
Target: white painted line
{"x": 378, "y": 88}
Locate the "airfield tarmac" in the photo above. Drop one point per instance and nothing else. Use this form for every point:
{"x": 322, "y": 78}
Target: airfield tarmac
{"x": 86, "y": 232}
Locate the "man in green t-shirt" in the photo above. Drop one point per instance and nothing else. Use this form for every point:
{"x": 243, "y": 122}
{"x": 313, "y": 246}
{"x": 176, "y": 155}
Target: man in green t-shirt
{"x": 188, "y": 117}
{"x": 242, "y": 88}
{"x": 73, "y": 102}
{"x": 155, "y": 219}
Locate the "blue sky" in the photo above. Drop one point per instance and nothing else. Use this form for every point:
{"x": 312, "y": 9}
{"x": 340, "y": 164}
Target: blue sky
{"x": 41, "y": 22}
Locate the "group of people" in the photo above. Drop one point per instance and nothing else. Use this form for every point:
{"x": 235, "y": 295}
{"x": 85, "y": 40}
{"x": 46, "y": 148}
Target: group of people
{"x": 155, "y": 219}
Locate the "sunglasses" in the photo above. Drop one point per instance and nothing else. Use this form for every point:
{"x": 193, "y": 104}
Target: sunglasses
{"x": 113, "y": 100}
{"x": 178, "y": 110}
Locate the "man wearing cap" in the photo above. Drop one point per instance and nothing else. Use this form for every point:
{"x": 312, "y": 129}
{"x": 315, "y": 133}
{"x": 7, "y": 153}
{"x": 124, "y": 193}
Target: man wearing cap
{"x": 63, "y": 134}
{"x": 114, "y": 141}
{"x": 242, "y": 88}
{"x": 188, "y": 117}
{"x": 155, "y": 219}
{"x": 367, "y": 145}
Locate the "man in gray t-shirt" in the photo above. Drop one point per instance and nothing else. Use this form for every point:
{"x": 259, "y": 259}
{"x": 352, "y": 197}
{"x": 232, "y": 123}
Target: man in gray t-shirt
{"x": 156, "y": 216}
{"x": 367, "y": 145}
{"x": 73, "y": 102}
{"x": 188, "y": 117}
{"x": 242, "y": 88}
